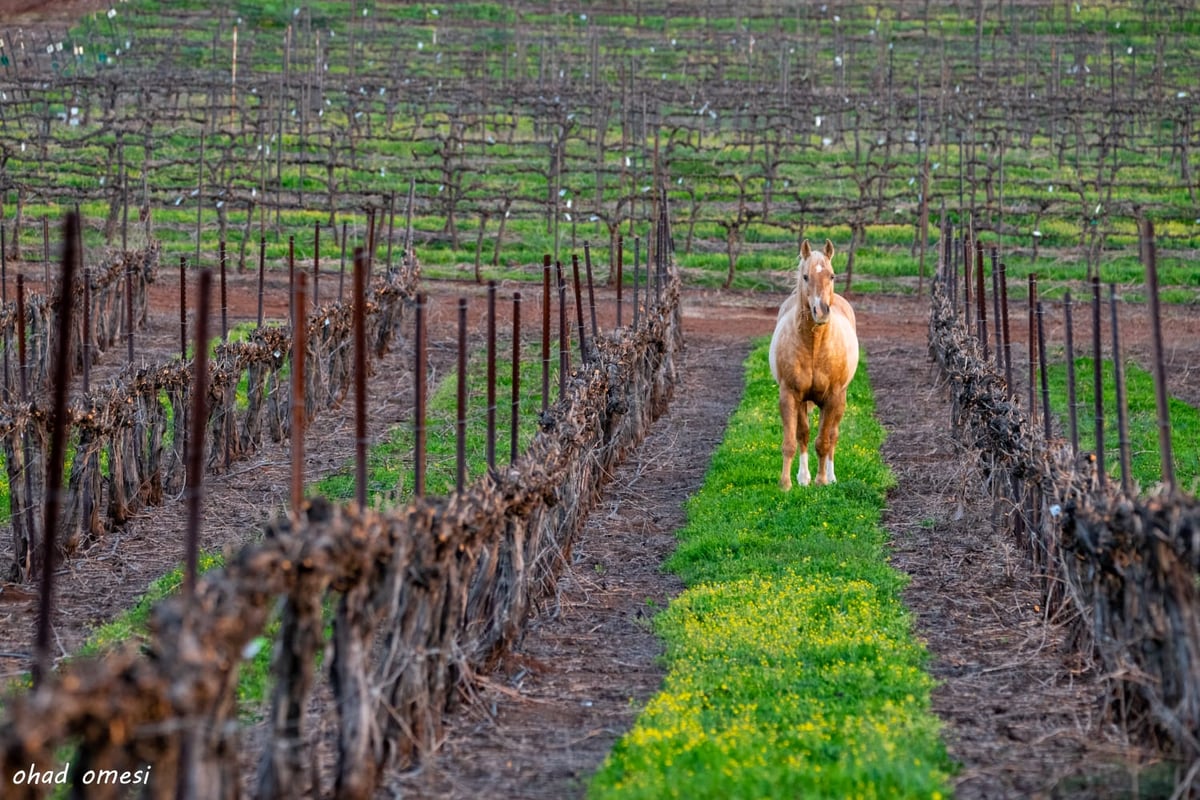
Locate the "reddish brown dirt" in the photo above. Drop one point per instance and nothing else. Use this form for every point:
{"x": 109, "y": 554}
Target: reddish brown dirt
{"x": 48, "y": 14}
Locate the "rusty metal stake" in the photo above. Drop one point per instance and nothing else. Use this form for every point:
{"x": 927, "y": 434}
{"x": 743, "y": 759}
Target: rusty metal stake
{"x": 491, "y": 374}
{"x": 1072, "y": 402}
{"x": 30, "y": 556}
{"x": 58, "y": 443}
{"x": 1149, "y": 247}
{"x": 637, "y": 253}
{"x": 342, "y": 274}
{"x": 999, "y": 329}
{"x": 292, "y": 278}
{"x": 1041, "y": 343}
{"x": 1122, "y": 403}
{"x": 128, "y": 305}
{"x": 981, "y": 299}
{"x": 620, "y": 276}
{"x": 183, "y": 307}
{"x": 360, "y": 380}
{"x": 262, "y": 266}
{"x": 224, "y": 294}
{"x": 1008, "y": 378}
{"x": 1033, "y": 354}
{"x": 564, "y": 344}
{"x": 199, "y": 415}
{"x": 419, "y": 390}
{"x": 545, "y": 332}
{"x": 583, "y": 343}
{"x": 316, "y": 265}
{"x": 516, "y": 376}
{"x": 1098, "y": 381}
{"x": 460, "y": 427}
{"x": 299, "y": 348}
{"x": 587, "y": 260}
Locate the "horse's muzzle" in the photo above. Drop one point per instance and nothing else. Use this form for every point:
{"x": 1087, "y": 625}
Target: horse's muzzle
{"x": 820, "y": 313}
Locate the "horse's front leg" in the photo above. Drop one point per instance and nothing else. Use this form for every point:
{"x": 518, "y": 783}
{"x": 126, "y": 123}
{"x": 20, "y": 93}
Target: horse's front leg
{"x": 803, "y": 431}
{"x": 827, "y": 439}
{"x": 795, "y": 439}
{"x": 787, "y": 414}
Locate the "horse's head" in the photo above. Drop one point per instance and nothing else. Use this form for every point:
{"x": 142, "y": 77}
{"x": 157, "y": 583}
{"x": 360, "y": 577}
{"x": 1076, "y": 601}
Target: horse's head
{"x": 815, "y": 282}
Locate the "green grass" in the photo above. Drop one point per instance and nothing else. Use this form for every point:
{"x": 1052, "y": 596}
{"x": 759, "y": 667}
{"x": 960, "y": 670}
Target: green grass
{"x": 390, "y": 462}
{"x": 792, "y": 670}
{"x": 132, "y": 624}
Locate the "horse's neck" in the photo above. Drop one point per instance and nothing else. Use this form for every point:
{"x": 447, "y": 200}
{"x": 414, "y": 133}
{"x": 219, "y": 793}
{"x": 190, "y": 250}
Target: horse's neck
{"x": 814, "y": 336}
{"x": 808, "y": 330}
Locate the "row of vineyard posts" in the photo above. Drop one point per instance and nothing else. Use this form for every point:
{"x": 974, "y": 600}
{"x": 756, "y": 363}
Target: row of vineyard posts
{"x": 400, "y": 643}
{"x": 1121, "y": 564}
{"x": 145, "y": 448}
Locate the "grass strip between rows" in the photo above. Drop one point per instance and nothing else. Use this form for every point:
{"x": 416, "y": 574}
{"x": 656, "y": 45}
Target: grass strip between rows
{"x": 792, "y": 668}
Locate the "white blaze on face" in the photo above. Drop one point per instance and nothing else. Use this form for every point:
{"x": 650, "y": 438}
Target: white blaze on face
{"x": 814, "y": 299}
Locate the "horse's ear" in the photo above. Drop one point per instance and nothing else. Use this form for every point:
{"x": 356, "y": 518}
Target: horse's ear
{"x": 805, "y": 249}
{"x": 829, "y": 249}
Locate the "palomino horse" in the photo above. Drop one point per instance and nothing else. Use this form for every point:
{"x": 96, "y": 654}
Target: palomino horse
{"x": 814, "y": 354}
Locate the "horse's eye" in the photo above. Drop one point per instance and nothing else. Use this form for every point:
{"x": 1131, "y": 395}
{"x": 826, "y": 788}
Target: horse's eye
{"x": 805, "y": 279}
